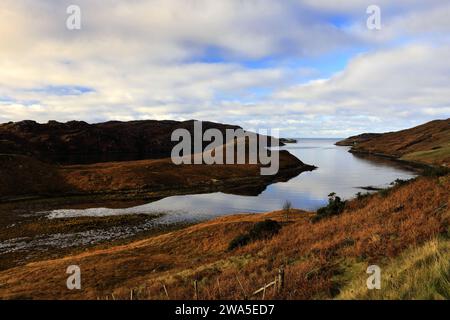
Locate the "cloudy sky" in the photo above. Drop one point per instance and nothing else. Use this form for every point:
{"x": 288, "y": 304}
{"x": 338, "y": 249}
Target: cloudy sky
{"x": 311, "y": 68}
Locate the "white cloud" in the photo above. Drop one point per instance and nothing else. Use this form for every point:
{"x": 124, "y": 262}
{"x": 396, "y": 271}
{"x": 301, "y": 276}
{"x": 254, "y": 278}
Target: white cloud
{"x": 143, "y": 59}
{"x": 407, "y": 79}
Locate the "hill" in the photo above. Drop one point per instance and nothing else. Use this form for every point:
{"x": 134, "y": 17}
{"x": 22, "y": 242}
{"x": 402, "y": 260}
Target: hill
{"x": 125, "y": 160}
{"x": 321, "y": 260}
{"x": 428, "y": 143}
{"x": 77, "y": 142}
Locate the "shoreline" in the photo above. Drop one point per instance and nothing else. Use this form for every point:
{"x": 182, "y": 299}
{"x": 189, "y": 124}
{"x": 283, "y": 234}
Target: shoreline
{"x": 98, "y": 199}
{"x": 237, "y": 185}
{"x": 407, "y": 163}
{"x": 199, "y": 252}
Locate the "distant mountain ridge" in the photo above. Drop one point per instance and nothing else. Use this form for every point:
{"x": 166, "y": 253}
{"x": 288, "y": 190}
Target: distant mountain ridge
{"x": 77, "y": 142}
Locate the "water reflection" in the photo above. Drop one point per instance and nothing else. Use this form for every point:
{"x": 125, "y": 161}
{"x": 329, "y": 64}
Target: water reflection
{"x": 338, "y": 171}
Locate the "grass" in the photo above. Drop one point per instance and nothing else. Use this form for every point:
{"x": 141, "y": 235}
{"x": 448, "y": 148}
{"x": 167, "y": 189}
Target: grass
{"x": 427, "y": 144}
{"x": 261, "y": 230}
{"x": 320, "y": 259}
{"x": 419, "y": 273}
{"x": 434, "y": 156}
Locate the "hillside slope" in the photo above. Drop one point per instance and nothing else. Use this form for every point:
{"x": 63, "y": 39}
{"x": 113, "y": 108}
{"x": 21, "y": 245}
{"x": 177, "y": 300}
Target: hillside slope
{"x": 24, "y": 176}
{"x": 320, "y": 260}
{"x": 118, "y": 159}
{"x": 422, "y": 272}
{"x": 428, "y": 143}
{"x": 77, "y": 142}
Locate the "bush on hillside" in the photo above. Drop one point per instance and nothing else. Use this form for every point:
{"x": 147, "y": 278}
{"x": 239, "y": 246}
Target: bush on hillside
{"x": 361, "y": 195}
{"x": 287, "y": 206}
{"x": 261, "y": 230}
{"x": 335, "y": 207}
{"x": 401, "y": 182}
{"x": 436, "y": 172}
{"x": 240, "y": 241}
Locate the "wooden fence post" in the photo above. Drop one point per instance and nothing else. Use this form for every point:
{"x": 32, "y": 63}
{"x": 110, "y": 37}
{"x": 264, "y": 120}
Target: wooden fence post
{"x": 280, "y": 279}
{"x": 218, "y": 288}
{"x": 242, "y": 287}
{"x": 196, "y": 289}
{"x": 165, "y": 291}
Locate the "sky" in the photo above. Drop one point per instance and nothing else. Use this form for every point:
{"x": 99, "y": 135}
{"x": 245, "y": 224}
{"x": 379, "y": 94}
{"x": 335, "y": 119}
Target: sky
{"x": 310, "y": 68}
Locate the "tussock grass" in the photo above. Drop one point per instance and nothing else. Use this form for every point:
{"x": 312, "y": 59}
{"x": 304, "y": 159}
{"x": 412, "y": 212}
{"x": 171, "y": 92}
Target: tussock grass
{"x": 419, "y": 273}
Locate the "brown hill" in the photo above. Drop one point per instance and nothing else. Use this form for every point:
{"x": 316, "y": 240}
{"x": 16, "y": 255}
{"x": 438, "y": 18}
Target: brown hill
{"x": 102, "y": 160}
{"x": 24, "y": 177}
{"x": 428, "y": 143}
{"x": 77, "y": 142}
{"x": 351, "y": 141}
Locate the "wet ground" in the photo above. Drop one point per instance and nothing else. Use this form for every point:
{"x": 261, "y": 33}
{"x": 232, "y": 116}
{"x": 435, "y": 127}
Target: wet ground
{"x": 28, "y": 232}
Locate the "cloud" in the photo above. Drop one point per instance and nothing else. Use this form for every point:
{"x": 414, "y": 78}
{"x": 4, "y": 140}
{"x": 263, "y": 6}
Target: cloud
{"x": 408, "y": 81}
{"x": 236, "y": 61}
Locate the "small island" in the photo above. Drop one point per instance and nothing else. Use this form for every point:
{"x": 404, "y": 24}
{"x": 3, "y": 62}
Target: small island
{"x": 287, "y": 140}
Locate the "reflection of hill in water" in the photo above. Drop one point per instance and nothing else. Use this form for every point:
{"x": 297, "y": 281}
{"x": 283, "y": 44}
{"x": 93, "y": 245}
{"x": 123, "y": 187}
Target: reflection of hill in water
{"x": 385, "y": 161}
{"x": 338, "y": 171}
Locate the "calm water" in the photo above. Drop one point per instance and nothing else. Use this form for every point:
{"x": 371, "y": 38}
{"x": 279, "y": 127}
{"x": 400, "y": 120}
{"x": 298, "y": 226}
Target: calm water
{"x": 338, "y": 171}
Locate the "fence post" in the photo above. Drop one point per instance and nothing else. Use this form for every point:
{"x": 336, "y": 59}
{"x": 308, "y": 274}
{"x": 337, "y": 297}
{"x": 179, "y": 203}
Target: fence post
{"x": 165, "y": 291}
{"x": 196, "y": 289}
{"x": 242, "y": 287}
{"x": 280, "y": 279}
{"x": 218, "y": 288}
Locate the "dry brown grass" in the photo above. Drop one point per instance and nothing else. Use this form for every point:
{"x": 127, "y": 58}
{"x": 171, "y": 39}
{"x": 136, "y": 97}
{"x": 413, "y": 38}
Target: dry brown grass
{"x": 427, "y": 143}
{"x": 315, "y": 256}
{"x": 130, "y": 179}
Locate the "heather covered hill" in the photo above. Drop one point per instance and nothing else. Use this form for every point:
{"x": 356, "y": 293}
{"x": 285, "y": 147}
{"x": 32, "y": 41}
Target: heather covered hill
{"x": 351, "y": 141}
{"x": 24, "y": 176}
{"x": 119, "y": 159}
{"x": 77, "y": 142}
{"x": 428, "y": 143}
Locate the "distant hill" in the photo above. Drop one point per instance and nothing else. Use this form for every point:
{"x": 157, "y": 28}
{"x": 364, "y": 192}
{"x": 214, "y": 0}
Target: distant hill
{"x": 428, "y": 143}
{"x": 118, "y": 159}
{"x": 77, "y": 142}
{"x": 351, "y": 141}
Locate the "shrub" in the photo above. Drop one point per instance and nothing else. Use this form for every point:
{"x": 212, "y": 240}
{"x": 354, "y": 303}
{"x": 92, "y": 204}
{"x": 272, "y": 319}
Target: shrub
{"x": 401, "y": 182}
{"x": 287, "y": 206}
{"x": 240, "y": 241}
{"x": 385, "y": 192}
{"x": 436, "y": 172}
{"x": 264, "y": 229}
{"x": 335, "y": 207}
{"x": 361, "y": 196}
{"x": 261, "y": 230}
